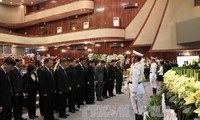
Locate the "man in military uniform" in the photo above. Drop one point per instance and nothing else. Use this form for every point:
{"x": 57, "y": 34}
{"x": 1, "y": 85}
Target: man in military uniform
{"x": 137, "y": 88}
{"x": 153, "y": 75}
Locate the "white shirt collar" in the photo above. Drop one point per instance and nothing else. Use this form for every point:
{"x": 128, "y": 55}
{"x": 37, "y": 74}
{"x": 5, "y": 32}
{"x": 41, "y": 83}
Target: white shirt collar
{"x": 3, "y": 69}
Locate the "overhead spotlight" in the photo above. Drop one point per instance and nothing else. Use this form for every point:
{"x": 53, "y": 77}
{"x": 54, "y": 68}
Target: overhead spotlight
{"x": 89, "y": 50}
{"x": 97, "y": 45}
{"x": 53, "y": 1}
{"x": 128, "y": 52}
{"x": 11, "y": 2}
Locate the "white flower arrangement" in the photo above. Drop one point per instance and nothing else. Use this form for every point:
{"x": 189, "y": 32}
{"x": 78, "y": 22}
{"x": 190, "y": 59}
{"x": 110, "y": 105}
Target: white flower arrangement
{"x": 90, "y": 56}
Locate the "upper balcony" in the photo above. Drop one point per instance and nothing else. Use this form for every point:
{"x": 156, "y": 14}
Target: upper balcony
{"x": 16, "y": 17}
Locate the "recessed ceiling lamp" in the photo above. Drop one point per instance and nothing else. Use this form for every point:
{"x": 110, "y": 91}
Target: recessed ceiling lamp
{"x": 0, "y": 0}
{"x": 53, "y": 1}
{"x": 31, "y": 2}
{"x": 11, "y": 2}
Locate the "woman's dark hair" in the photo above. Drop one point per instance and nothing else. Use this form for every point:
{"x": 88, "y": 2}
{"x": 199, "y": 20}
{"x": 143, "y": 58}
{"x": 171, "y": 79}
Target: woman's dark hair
{"x": 30, "y": 67}
{"x": 91, "y": 61}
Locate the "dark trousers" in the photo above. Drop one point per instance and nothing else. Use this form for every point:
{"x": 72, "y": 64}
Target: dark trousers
{"x": 18, "y": 102}
{"x": 6, "y": 115}
{"x": 78, "y": 97}
{"x": 41, "y": 105}
{"x": 62, "y": 104}
{"x": 99, "y": 90}
{"x": 72, "y": 98}
{"x": 48, "y": 107}
{"x": 31, "y": 103}
{"x": 119, "y": 85}
{"x": 105, "y": 89}
{"x": 89, "y": 93}
{"x": 37, "y": 63}
{"x": 82, "y": 94}
{"x": 111, "y": 87}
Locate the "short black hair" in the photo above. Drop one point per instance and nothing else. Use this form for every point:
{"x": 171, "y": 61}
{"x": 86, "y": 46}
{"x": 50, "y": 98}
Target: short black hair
{"x": 82, "y": 59}
{"x": 18, "y": 60}
{"x": 91, "y": 61}
{"x": 138, "y": 58}
{"x": 9, "y": 61}
{"x": 46, "y": 60}
{"x": 62, "y": 60}
{"x": 30, "y": 67}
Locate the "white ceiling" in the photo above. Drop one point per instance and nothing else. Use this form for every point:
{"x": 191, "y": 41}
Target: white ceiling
{"x": 19, "y": 2}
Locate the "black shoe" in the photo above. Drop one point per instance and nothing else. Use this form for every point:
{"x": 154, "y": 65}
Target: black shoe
{"x": 117, "y": 92}
{"x": 99, "y": 99}
{"x": 56, "y": 119}
{"x": 76, "y": 109}
{"x": 122, "y": 92}
{"x": 63, "y": 116}
{"x": 23, "y": 118}
{"x": 81, "y": 103}
{"x": 33, "y": 117}
{"x": 71, "y": 111}
{"x": 78, "y": 106}
{"x": 113, "y": 95}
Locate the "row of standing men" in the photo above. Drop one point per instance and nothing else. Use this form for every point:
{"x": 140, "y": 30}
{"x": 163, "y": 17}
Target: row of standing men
{"x": 71, "y": 81}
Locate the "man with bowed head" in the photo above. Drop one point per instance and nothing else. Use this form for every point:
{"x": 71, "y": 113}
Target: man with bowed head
{"x": 137, "y": 88}
{"x": 6, "y": 91}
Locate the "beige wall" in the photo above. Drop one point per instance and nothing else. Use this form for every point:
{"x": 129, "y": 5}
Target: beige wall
{"x": 89, "y": 34}
{"x": 132, "y": 30}
{"x": 177, "y": 11}
{"x": 149, "y": 31}
{"x": 61, "y": 9}
{"x": 11, "y": 14}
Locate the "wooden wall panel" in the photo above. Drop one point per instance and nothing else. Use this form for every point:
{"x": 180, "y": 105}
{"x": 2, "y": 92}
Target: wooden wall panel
{"x": 197, "y": 2}
{"x": 46, "y": 5}
{"x": 97, "y": 19}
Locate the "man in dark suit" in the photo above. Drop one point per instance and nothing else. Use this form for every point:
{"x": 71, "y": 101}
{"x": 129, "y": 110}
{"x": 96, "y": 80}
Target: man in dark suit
{"x": 17, "y": 82}
{"x": 6, "y": 89}
{"x": 47, "y": 89}
{"x": 111, "y": 76}
{"x": 62, "y": 85}
{"x": 73, "y": 85}
{"x": 81, "y": 80}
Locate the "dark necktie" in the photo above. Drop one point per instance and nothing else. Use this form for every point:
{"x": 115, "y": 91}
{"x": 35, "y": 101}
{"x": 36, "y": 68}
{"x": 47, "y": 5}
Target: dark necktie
{"x": 21, "y": 72}
{"x": 11, "y": 90}
{"x": 50, "y": 71}
{"x": 65, "y": 72}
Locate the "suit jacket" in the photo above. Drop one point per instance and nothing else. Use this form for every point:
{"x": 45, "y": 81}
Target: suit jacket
{"x": 17, "y": 81}
{"x": 89, "y": 75}
{"x": 73, "y": 79}
{"x": 62, "y": 80}
{"x": 46, "y": 81}
{"x": 111, "y": 74}
{"x": 30, "y": 85}
{"x": 106, "y": 72}
{"x": 81, "y": 75}
{"x": 5, "y": 91}
{"x": 99, "y": 73}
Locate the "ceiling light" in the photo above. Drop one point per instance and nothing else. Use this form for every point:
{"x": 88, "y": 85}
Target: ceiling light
{"x": 0, "y": 0}
{"x": 64, "y": 50}
{"x": 89, "y": 50}
{"x": 11, "y": 2}
{"x": 53, "y": 1}
{"x": 31, "y": 2}
{"x": 97, "y": 45}
{"x": 128, "y": 52}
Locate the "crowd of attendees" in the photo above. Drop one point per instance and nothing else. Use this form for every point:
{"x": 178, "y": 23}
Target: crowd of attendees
{"x": 60, "y": 83}
{"x": 63, "y": 83}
